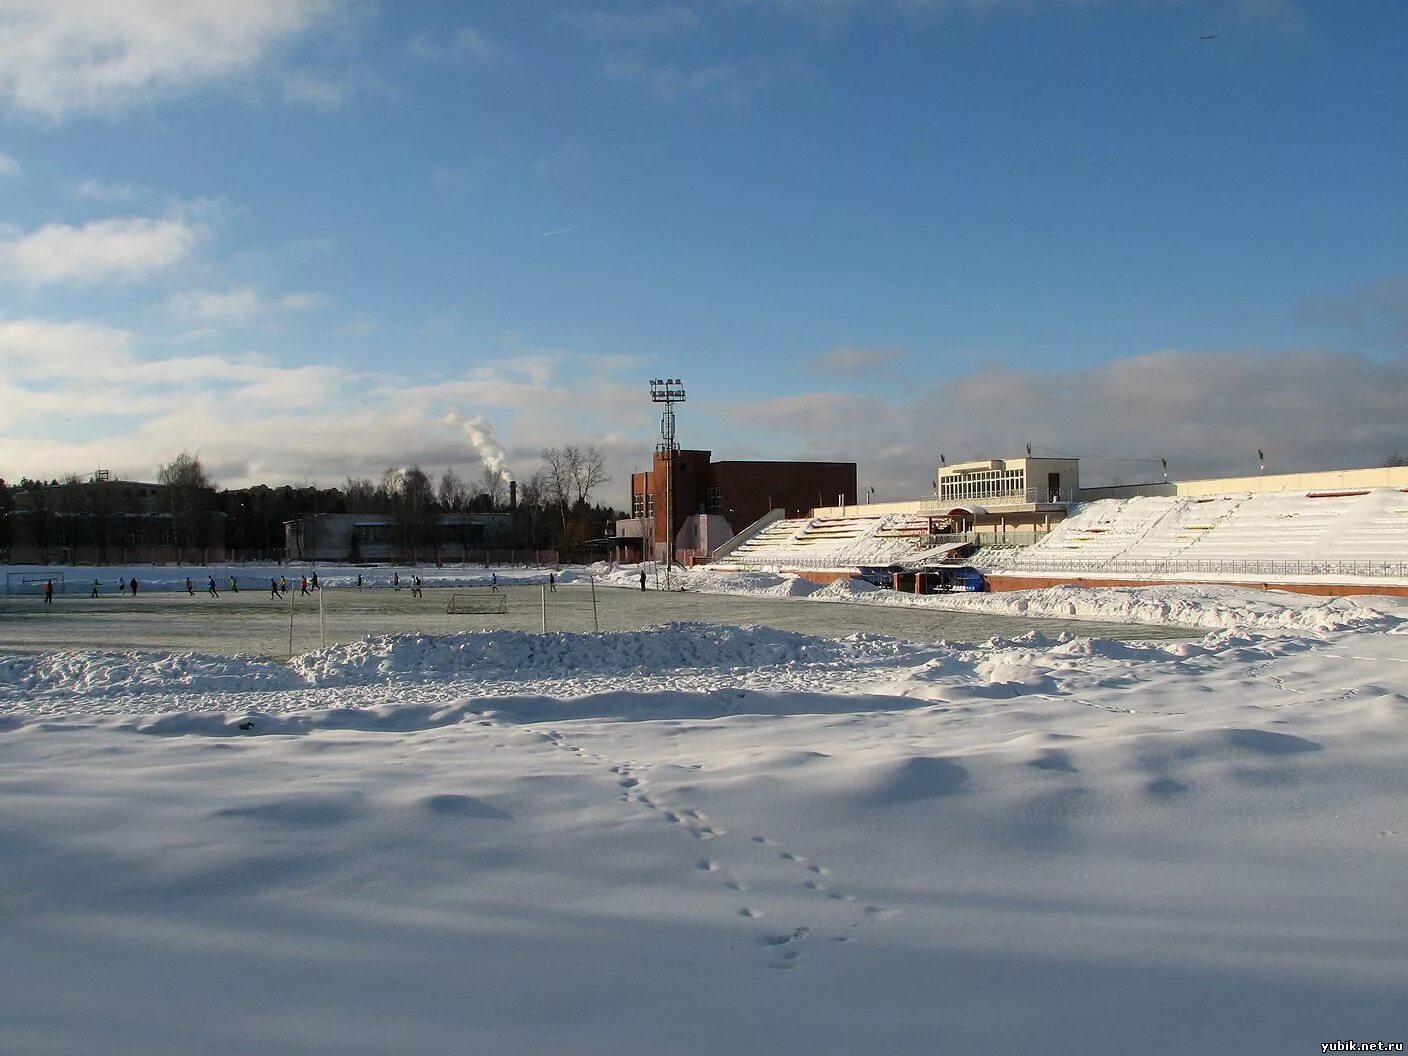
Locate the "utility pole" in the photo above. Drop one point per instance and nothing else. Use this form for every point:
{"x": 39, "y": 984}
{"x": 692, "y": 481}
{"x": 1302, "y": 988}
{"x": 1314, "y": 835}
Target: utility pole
{"x": 668, "y": 391}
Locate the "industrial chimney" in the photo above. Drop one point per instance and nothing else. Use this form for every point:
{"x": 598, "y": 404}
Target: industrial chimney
{"x": 513, "y": 494}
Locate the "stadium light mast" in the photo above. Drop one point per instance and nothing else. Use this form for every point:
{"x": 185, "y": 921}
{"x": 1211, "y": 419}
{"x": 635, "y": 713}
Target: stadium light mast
{"x": 668, "y": 391}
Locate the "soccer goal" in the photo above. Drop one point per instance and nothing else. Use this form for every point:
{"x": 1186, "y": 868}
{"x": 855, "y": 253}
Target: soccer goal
{"x": 478, "y": 602}
{"x": 30, "y": 583}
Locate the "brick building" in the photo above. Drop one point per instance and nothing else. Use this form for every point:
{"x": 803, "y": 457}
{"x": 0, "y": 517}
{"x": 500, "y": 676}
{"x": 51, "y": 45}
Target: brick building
{"x": 713, "y": 500}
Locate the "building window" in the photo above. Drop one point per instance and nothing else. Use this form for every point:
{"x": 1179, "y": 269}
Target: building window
{"x": 714, "y": 500}
{"x": 984, "y": 484}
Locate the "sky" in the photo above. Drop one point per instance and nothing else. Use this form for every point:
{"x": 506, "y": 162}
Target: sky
{"x": 313, "y": 239}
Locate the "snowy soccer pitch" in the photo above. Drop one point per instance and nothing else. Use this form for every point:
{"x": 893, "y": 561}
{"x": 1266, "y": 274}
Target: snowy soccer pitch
{"x": 702, "y": 838}
{"x": 251, "y": 621}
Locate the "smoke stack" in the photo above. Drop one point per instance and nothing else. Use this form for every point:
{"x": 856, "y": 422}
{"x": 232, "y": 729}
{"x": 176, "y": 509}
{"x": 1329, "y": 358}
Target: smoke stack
{"x": 513, "y": 494}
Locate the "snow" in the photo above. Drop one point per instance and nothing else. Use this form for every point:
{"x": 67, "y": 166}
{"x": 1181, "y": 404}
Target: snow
{"x": 1190, "y": 605}
{"x": 702, "y": 839}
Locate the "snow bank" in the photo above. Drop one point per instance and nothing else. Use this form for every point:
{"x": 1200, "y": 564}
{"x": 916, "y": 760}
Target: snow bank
{"x": 512, "y": 656}
{"x": 1211, "y": 607}
{"x": 136, "y": 672}
{"x": 672, "y": 647}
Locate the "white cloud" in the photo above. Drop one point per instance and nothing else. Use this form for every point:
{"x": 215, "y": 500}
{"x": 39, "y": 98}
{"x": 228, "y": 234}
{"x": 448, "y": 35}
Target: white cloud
{"x": 470, "y": 43}
{"x": 465, "y": 44}
{"x": 34, "y": 348}
{"x": 65, "y": 57}
{"x": 243, "y": 306}
{"x": 654, "y": 23}
{"x": 446, "y": 178}
{"x": 854, "y": 361}
{"x": 320, "y": 91}
{"x": 1283, "y": 13}
{"x": 9, "y": 166}
{"x": 1207, "y": 413}
{"x": 303, "y": 302}
{"x": 256, "y": 420}
{"x": 1375, "y": 307}
{"x": 674, "y": 84}
{"x": 99, "y": 191}
{"x": 237, "y": 307}
{"x": 117, "y": 249}
{"x": 362, "y": 325}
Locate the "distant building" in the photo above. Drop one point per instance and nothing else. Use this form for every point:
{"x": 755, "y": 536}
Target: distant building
{"x": 106, "y": 521}
{"x": 382, "y": 537}
{"x": 713, "y": 500}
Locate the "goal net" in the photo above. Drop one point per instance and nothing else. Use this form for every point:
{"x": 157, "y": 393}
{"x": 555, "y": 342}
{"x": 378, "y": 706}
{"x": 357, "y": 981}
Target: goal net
{"x": 32, "y": 583}
{"x": 477, "y": 601}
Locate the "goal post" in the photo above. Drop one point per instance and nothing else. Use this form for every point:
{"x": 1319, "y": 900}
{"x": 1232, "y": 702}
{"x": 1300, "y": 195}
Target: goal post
{"x": 32, "y": 582}
{"x": 477, "y": 602}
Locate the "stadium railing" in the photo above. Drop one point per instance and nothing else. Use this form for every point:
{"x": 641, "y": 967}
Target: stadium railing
{"x": 1250, "y": 567}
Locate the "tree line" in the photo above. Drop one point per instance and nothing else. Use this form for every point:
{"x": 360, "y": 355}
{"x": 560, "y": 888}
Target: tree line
{"x": 554, "y": 508}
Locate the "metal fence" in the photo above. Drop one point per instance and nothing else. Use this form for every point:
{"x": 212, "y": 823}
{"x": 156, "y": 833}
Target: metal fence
{"x": 1377, "y": 569}
{"x": 764, "y": 562}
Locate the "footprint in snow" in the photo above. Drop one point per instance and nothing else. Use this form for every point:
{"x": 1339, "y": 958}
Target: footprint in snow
{"x": 795, "y": 935}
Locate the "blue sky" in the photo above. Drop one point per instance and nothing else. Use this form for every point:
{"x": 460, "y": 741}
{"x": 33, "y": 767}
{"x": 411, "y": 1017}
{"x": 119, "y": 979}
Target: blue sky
{"x": 314, "y": 238}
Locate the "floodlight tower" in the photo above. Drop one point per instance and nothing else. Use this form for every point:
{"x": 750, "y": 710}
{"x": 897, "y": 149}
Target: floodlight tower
{"x": 668, "y": 391}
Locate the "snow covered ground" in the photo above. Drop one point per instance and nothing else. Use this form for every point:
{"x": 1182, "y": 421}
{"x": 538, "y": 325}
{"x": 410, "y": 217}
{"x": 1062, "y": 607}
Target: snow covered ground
{"x": 704, "y": 839}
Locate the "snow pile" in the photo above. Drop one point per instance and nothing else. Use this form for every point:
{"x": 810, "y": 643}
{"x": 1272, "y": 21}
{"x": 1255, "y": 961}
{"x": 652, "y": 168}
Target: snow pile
{"x": 512, "y": 657}
{"x": 1190, "y": 606}
{"x": 137, "y": 672}
{"x": 500, "y": 653}
{"x": 846, "y": 590}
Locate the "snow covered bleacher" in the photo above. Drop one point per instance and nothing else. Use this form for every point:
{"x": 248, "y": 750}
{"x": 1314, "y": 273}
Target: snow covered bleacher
{"x": 831, "y": 542}
{"x": 1326, "y": 528}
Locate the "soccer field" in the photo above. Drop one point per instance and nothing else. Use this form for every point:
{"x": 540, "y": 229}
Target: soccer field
{"x": 253, "y": 622}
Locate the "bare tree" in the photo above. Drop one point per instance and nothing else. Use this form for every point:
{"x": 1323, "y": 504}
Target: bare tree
{"x": 413, "y": 506}
{"x": 453, "y": 493}
{"x": 587, "y": 468}
{"x": 491, "y": 484}
{"x": 192, "y": 496}
{"x": 360, "y": 493}
{"x": 557, "y": 480}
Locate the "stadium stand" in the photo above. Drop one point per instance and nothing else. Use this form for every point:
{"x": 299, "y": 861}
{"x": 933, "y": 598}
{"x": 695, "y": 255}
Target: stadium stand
{"x": 836, "y": 542}
{"x": 1329, "y": 527}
